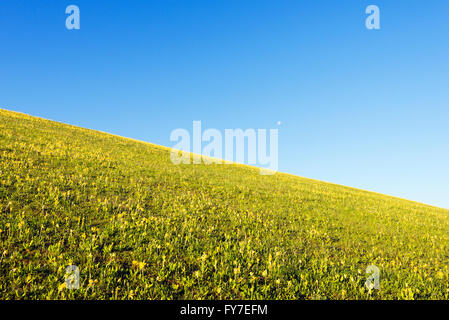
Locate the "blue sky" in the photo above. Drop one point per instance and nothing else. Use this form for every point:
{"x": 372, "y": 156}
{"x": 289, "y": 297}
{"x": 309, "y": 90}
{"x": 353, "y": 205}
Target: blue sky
{"x": 363, "y": 108}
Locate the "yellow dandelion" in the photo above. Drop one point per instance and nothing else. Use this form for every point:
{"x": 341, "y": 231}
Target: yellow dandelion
{"x": 61, "y": 287}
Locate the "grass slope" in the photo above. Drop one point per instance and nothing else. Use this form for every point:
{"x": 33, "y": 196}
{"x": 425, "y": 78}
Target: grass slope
{"x": 138, "y": 226}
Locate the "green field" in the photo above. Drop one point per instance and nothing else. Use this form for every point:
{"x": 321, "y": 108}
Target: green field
{"x": 139, "y": 227}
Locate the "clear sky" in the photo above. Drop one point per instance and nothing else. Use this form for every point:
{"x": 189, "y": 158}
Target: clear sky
{"x": 358, "y": 107}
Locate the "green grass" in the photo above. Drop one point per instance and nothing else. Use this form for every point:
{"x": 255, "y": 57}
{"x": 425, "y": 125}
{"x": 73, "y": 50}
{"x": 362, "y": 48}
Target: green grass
{"x": 139, "y": 227}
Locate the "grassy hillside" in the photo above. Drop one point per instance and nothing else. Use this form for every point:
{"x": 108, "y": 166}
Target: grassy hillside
{"x": 138, "y": 226}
